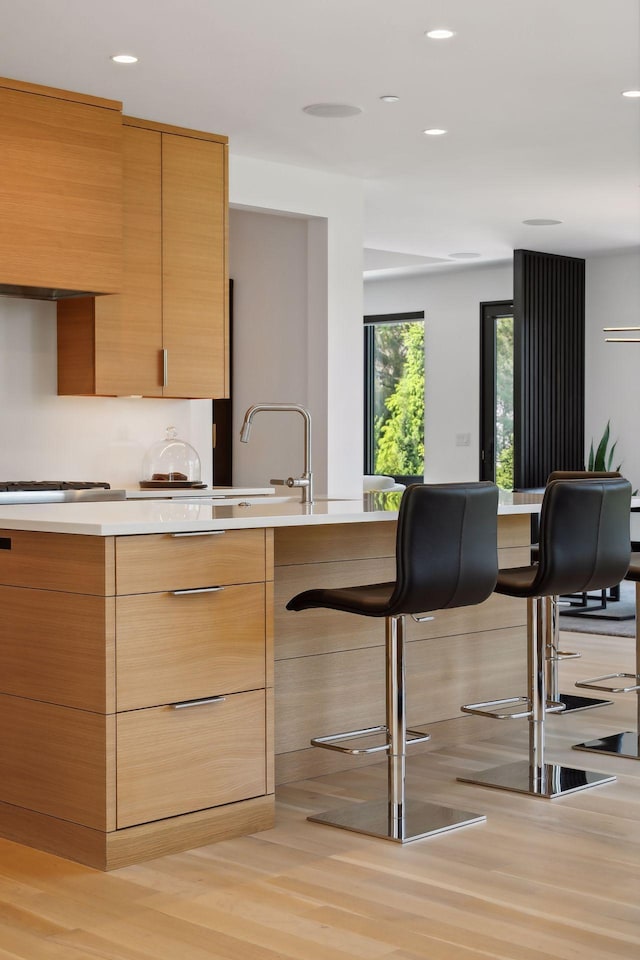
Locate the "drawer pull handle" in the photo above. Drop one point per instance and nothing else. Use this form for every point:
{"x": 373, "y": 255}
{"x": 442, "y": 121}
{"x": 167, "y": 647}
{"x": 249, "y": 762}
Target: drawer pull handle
{"x": 197, "y": 703}
{"x": 184, "y": 593}
{"x": 199, "y": 533}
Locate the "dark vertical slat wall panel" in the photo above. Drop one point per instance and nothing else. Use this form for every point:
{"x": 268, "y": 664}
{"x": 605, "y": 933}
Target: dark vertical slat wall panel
{"x": 549, "y": 365}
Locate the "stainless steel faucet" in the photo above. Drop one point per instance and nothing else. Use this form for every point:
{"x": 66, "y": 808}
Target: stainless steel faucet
{"x": 306, "y": 480}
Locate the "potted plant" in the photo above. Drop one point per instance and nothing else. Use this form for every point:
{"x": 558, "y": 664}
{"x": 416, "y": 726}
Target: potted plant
{"x": 602, "y": 459}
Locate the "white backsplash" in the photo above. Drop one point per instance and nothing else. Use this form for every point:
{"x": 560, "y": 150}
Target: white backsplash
{"x": 47, "y": 437}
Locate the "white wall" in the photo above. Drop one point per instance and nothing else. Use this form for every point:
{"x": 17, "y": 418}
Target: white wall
{"x": 612, "y": 370}
{"x": 332, "y": 207}
{"x": 451, "y": 303}
{"x": 46, "y": 437}
{"x": 268, "y": 264}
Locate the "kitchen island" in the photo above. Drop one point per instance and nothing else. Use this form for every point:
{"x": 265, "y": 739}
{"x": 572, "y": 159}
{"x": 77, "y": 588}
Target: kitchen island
{"x": 154, "y": 688}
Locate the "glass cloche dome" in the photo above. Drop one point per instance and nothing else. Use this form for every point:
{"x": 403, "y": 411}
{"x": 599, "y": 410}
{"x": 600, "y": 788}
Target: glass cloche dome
{"x": 171, "y": 463}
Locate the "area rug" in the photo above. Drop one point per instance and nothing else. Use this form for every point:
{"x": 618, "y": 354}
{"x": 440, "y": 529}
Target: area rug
{"x": 605, "y": 621}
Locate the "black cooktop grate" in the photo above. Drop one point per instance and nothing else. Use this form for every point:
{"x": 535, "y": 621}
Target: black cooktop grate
{"x": 15, "y": 486}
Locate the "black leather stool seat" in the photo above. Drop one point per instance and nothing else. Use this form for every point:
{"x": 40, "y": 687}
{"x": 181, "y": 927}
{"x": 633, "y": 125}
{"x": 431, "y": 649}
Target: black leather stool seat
{"x": 584, "y": 545}
{"x": 633, "y": 573}
{"x": 517, "y": 581}
{"x": 446, "y": 556}
{"x": 371, "y": 600}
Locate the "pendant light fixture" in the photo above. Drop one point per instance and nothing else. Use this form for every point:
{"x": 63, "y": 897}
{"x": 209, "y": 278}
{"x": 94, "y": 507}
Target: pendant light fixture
{"x": 621, "y": 339}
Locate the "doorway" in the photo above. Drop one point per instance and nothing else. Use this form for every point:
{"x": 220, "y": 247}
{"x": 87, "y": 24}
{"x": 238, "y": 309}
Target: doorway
{"x": 497, "y": 393}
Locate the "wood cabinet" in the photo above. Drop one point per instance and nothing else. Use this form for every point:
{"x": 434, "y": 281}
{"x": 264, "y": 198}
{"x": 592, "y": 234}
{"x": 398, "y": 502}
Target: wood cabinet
{"x": 60, "y": 192}
{"x": 167, "y": 334}
{"x": 138, "y": 694}
{"x": 217, "y": 747}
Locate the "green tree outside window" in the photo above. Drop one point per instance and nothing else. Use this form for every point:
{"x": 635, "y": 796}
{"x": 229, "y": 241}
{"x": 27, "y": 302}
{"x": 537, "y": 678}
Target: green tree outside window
{"x": 399, "y": 399}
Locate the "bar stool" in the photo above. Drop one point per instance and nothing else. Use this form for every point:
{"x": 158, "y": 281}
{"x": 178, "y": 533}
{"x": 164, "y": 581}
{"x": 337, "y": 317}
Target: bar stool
{"x": 446, "y": 556}
{"x": 572, "y": 702}
{"x": 584, "y": 545}
{"x": 626, "y": 744}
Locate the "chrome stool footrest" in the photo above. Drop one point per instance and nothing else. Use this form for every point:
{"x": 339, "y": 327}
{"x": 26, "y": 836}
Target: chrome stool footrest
{"x": 332, "y": 742}
{"x": 563, "y": 655}
{"x": 596, "y": 683}
{"x": 485, "y": 709}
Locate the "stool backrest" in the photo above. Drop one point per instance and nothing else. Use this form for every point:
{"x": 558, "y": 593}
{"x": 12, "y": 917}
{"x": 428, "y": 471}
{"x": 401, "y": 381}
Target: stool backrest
{"x": 446, "y": 546}
{"x": 584, "y": 535}
{"x": 583, "y": 475}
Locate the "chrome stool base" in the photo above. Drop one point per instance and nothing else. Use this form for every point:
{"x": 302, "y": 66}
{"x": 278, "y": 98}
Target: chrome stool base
{"x": 375, "y": 818}
{"x": 625, "y": 744}
{"x": 534, "y": 776}
{"x": 552, "y": 781}
{"x": 397, "y": 817}
{"x": 573, "y": 703}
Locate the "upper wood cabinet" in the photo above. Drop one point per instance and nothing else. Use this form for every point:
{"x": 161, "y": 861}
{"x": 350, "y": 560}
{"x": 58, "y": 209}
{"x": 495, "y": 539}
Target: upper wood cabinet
{"x": 60, "y": 192}
{"x": 167, "y": 334}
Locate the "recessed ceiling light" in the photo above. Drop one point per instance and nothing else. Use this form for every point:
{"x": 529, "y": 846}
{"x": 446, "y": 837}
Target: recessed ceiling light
{"x": 389, "y": 98}
{"x": 434, "y": 132}
{"x": 631, "y": 93}
{"x": 124, "y": 58}
{"x": 440, "y": 34}
{"x": 464, "y": 256}
{"x": 332, "y": 110}
{"x": 541, "y": 222}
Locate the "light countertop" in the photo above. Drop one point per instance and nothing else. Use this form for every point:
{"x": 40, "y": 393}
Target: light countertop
{"x": 127, "y": 517}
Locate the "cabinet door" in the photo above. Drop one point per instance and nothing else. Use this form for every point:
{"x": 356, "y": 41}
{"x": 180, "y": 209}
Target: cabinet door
{"x": 60, "y": 192}
{"x": 181, "y": 647}
{"x": 58, "y": 761}
{"x": 175, "y": 287}
{"x": 158, "y": 562}
{"x": 129, "y": 327}
{"x": 194, "y": 202}
{"x": 172, "y": 761}
{"x": 112, "y": 346}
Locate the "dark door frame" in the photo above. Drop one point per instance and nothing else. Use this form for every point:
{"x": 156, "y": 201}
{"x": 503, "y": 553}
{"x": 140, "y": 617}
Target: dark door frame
{"x": 490, "y": 311}
{"x": 369, "y": 322}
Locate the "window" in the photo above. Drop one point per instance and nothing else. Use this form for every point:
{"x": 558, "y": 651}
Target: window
{"x": 394, "y": 396}
{"x": 497, "y": 393}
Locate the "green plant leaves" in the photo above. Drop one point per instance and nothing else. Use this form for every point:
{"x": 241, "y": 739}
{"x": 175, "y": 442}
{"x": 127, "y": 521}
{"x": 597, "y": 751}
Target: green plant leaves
{"x": 603, "y": 458}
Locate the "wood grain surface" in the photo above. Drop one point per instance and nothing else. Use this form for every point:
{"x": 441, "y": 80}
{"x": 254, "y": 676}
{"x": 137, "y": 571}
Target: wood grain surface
{"x": 539, "y": 880}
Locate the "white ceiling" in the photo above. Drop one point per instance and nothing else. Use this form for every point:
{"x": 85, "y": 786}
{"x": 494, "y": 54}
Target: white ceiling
{"x": 529, "y": 90}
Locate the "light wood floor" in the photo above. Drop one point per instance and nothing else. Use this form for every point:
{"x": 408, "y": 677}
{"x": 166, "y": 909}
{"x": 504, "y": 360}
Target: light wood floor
{"x": 539, "y": 880}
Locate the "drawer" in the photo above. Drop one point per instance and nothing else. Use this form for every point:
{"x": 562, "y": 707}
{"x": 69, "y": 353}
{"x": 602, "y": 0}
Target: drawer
{"x": 57, "y": 561}
{"x": 183, "y": 561}
{"x": 184, "y": 647}
{"x": 172, "y": 761}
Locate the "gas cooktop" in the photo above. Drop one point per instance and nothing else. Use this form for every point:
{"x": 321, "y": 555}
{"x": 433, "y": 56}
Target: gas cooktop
{"x": 56, "y": 491}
